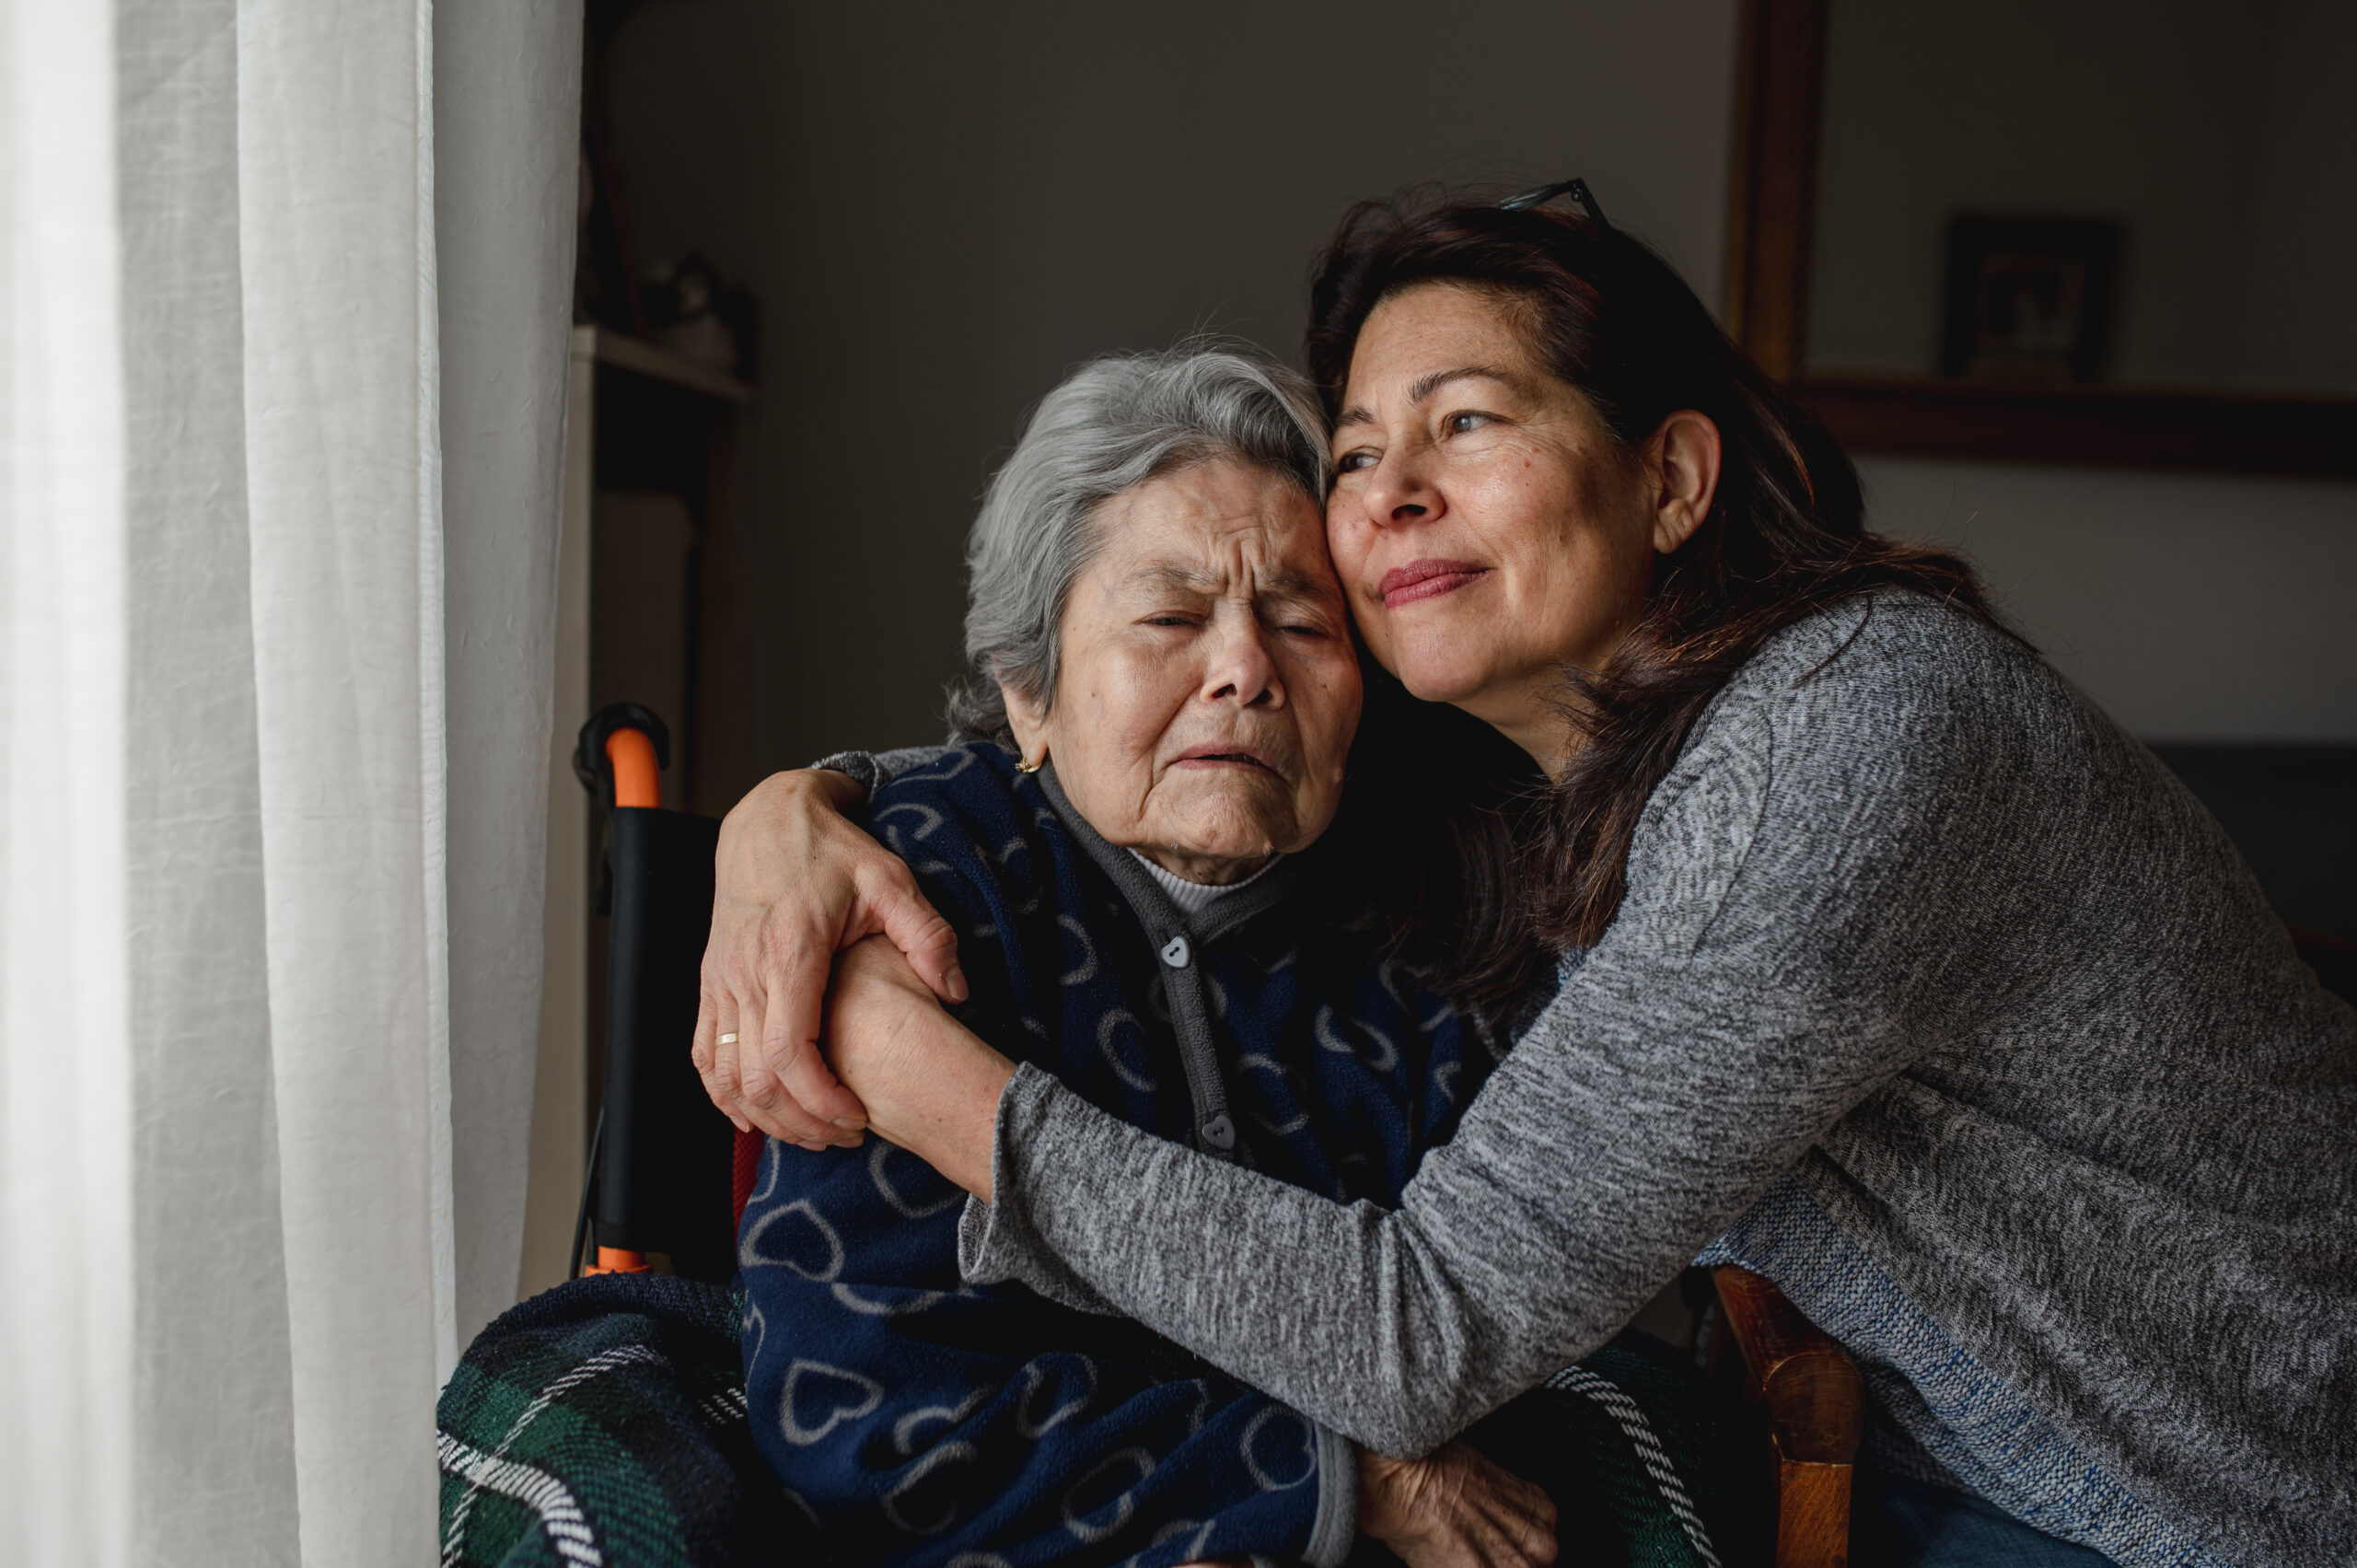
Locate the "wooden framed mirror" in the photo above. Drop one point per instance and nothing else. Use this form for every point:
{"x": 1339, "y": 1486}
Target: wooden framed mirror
{"x": 2103, "y": 233}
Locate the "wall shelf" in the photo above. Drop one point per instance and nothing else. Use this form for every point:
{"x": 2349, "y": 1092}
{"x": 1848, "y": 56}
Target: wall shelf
{"x": 626, "y": 353}
{"x": 2128, "y": 426}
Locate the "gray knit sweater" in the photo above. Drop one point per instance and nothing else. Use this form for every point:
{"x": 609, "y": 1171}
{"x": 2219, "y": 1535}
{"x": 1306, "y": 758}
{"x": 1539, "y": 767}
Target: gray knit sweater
{"x": 1914, "y": 928}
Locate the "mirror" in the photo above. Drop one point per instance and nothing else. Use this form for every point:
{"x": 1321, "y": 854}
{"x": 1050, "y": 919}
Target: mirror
{"x": 2096, "y": 231}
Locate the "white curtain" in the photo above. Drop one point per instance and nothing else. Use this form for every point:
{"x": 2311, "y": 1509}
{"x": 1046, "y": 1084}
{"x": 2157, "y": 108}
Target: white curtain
{"x": 283, "y": 297}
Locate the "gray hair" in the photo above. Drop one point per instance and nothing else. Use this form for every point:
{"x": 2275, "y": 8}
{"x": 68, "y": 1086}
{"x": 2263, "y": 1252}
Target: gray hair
{"x": 1114, "y": 423}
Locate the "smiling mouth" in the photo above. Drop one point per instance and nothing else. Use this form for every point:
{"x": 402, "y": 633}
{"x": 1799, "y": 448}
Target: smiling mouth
{"x": 1422, "y": 580}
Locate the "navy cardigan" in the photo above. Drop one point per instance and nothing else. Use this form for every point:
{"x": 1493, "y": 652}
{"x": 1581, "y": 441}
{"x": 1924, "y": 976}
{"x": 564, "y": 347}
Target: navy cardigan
{"x": 921, "y": 1420}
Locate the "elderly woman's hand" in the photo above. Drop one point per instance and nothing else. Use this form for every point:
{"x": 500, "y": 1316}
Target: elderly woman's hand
{"x": 794, "y": 883}
{"x": 930, "y": 1084}
{"x": 1454, "y": 1509}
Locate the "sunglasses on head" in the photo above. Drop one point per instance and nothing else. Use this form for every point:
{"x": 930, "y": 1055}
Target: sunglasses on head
{"x": 1576, "y": 189}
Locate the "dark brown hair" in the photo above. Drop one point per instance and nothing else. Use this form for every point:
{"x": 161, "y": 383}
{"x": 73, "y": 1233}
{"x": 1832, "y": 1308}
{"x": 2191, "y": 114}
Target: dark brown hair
{"x": 1527, "y": 868}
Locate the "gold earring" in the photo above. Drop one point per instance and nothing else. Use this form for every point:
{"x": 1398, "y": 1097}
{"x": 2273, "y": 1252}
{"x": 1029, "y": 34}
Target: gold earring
{"x": 1023, "y": 767}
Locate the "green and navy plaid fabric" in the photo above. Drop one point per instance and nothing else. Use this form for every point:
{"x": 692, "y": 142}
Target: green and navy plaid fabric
{"x": 604, "y": 1422}
{"x": 1628, "y": 1450}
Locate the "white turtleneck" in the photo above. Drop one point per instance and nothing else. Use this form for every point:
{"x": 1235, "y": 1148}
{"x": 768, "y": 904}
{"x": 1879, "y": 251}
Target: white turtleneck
{"x": 1193, "y": 898}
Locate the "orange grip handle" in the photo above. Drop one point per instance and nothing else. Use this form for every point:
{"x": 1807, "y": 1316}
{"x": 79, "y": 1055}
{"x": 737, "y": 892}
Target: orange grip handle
{"x": 619, "y": 1261}
{"x": 637, "y": 780}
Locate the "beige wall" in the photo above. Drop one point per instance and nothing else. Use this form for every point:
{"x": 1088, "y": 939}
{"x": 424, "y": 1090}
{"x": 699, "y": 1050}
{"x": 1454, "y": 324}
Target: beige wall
{"x": 942, "y": 207}
{"x": 2192, "y": 607}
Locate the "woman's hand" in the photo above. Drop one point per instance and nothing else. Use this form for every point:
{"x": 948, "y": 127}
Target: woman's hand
{"x": 930, "y": 1085}
{"x": 1454, "y": 1509}
{"x": 794, "y": 883}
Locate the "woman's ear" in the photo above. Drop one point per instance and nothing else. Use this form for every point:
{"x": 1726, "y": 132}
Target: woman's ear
{"x": 1682, "y": 461}
{"x": 1029, "y": 723}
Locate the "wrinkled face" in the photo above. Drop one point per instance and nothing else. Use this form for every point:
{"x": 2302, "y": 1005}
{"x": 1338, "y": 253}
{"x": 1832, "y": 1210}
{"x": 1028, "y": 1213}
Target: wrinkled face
{"x": 1209, "y": 691}
{"x": 1486, "y": 525}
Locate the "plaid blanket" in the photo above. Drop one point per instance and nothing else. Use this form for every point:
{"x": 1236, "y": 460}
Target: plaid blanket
{"x": 604, "y": 1422}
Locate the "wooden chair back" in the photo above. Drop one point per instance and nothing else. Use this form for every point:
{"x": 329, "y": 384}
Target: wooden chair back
{"x": 1806, "y": 1392}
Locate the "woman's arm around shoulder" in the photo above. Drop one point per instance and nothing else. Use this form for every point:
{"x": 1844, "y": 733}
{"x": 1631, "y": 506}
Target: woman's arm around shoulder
{"x": 1765, "y": 973}
{"x": 796, "y": 881}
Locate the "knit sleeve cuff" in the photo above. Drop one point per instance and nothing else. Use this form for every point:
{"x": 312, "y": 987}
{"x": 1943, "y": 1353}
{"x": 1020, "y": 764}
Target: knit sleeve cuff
{"x": 995, "y": 1242}
{"x": 907, "y": 759}
{"x": 861, "y": 766}
{"x": 1337, "y": 1527}
{"x": 874, "y": 769}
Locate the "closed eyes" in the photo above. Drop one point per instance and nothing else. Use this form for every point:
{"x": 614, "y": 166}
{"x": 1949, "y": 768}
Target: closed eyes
{"x": 1301, "y": 629}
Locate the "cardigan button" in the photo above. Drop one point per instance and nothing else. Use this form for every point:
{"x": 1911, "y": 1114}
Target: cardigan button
{"x": 1220, "y": 1133}
{"x": 1176, "y": 953}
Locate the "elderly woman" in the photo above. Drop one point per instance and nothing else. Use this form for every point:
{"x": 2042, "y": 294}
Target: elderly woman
{"x": 1909, "y": 980}
{"x": 1168, "y": 699}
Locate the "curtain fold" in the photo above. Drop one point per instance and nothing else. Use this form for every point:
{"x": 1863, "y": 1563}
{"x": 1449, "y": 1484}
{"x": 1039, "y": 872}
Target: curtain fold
{"x": 211, "y": 1309}
{"x": 507, "y": 77}
{"x": 285, "y": 288}
{"x": 66, "y": 1364}
{"x": 343, "y": 536}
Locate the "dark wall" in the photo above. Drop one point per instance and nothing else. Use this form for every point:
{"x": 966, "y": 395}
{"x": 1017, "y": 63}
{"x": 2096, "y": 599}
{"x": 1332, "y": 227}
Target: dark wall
{"x": 2293, "y": 812}
{"x": 941, "y": 208}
